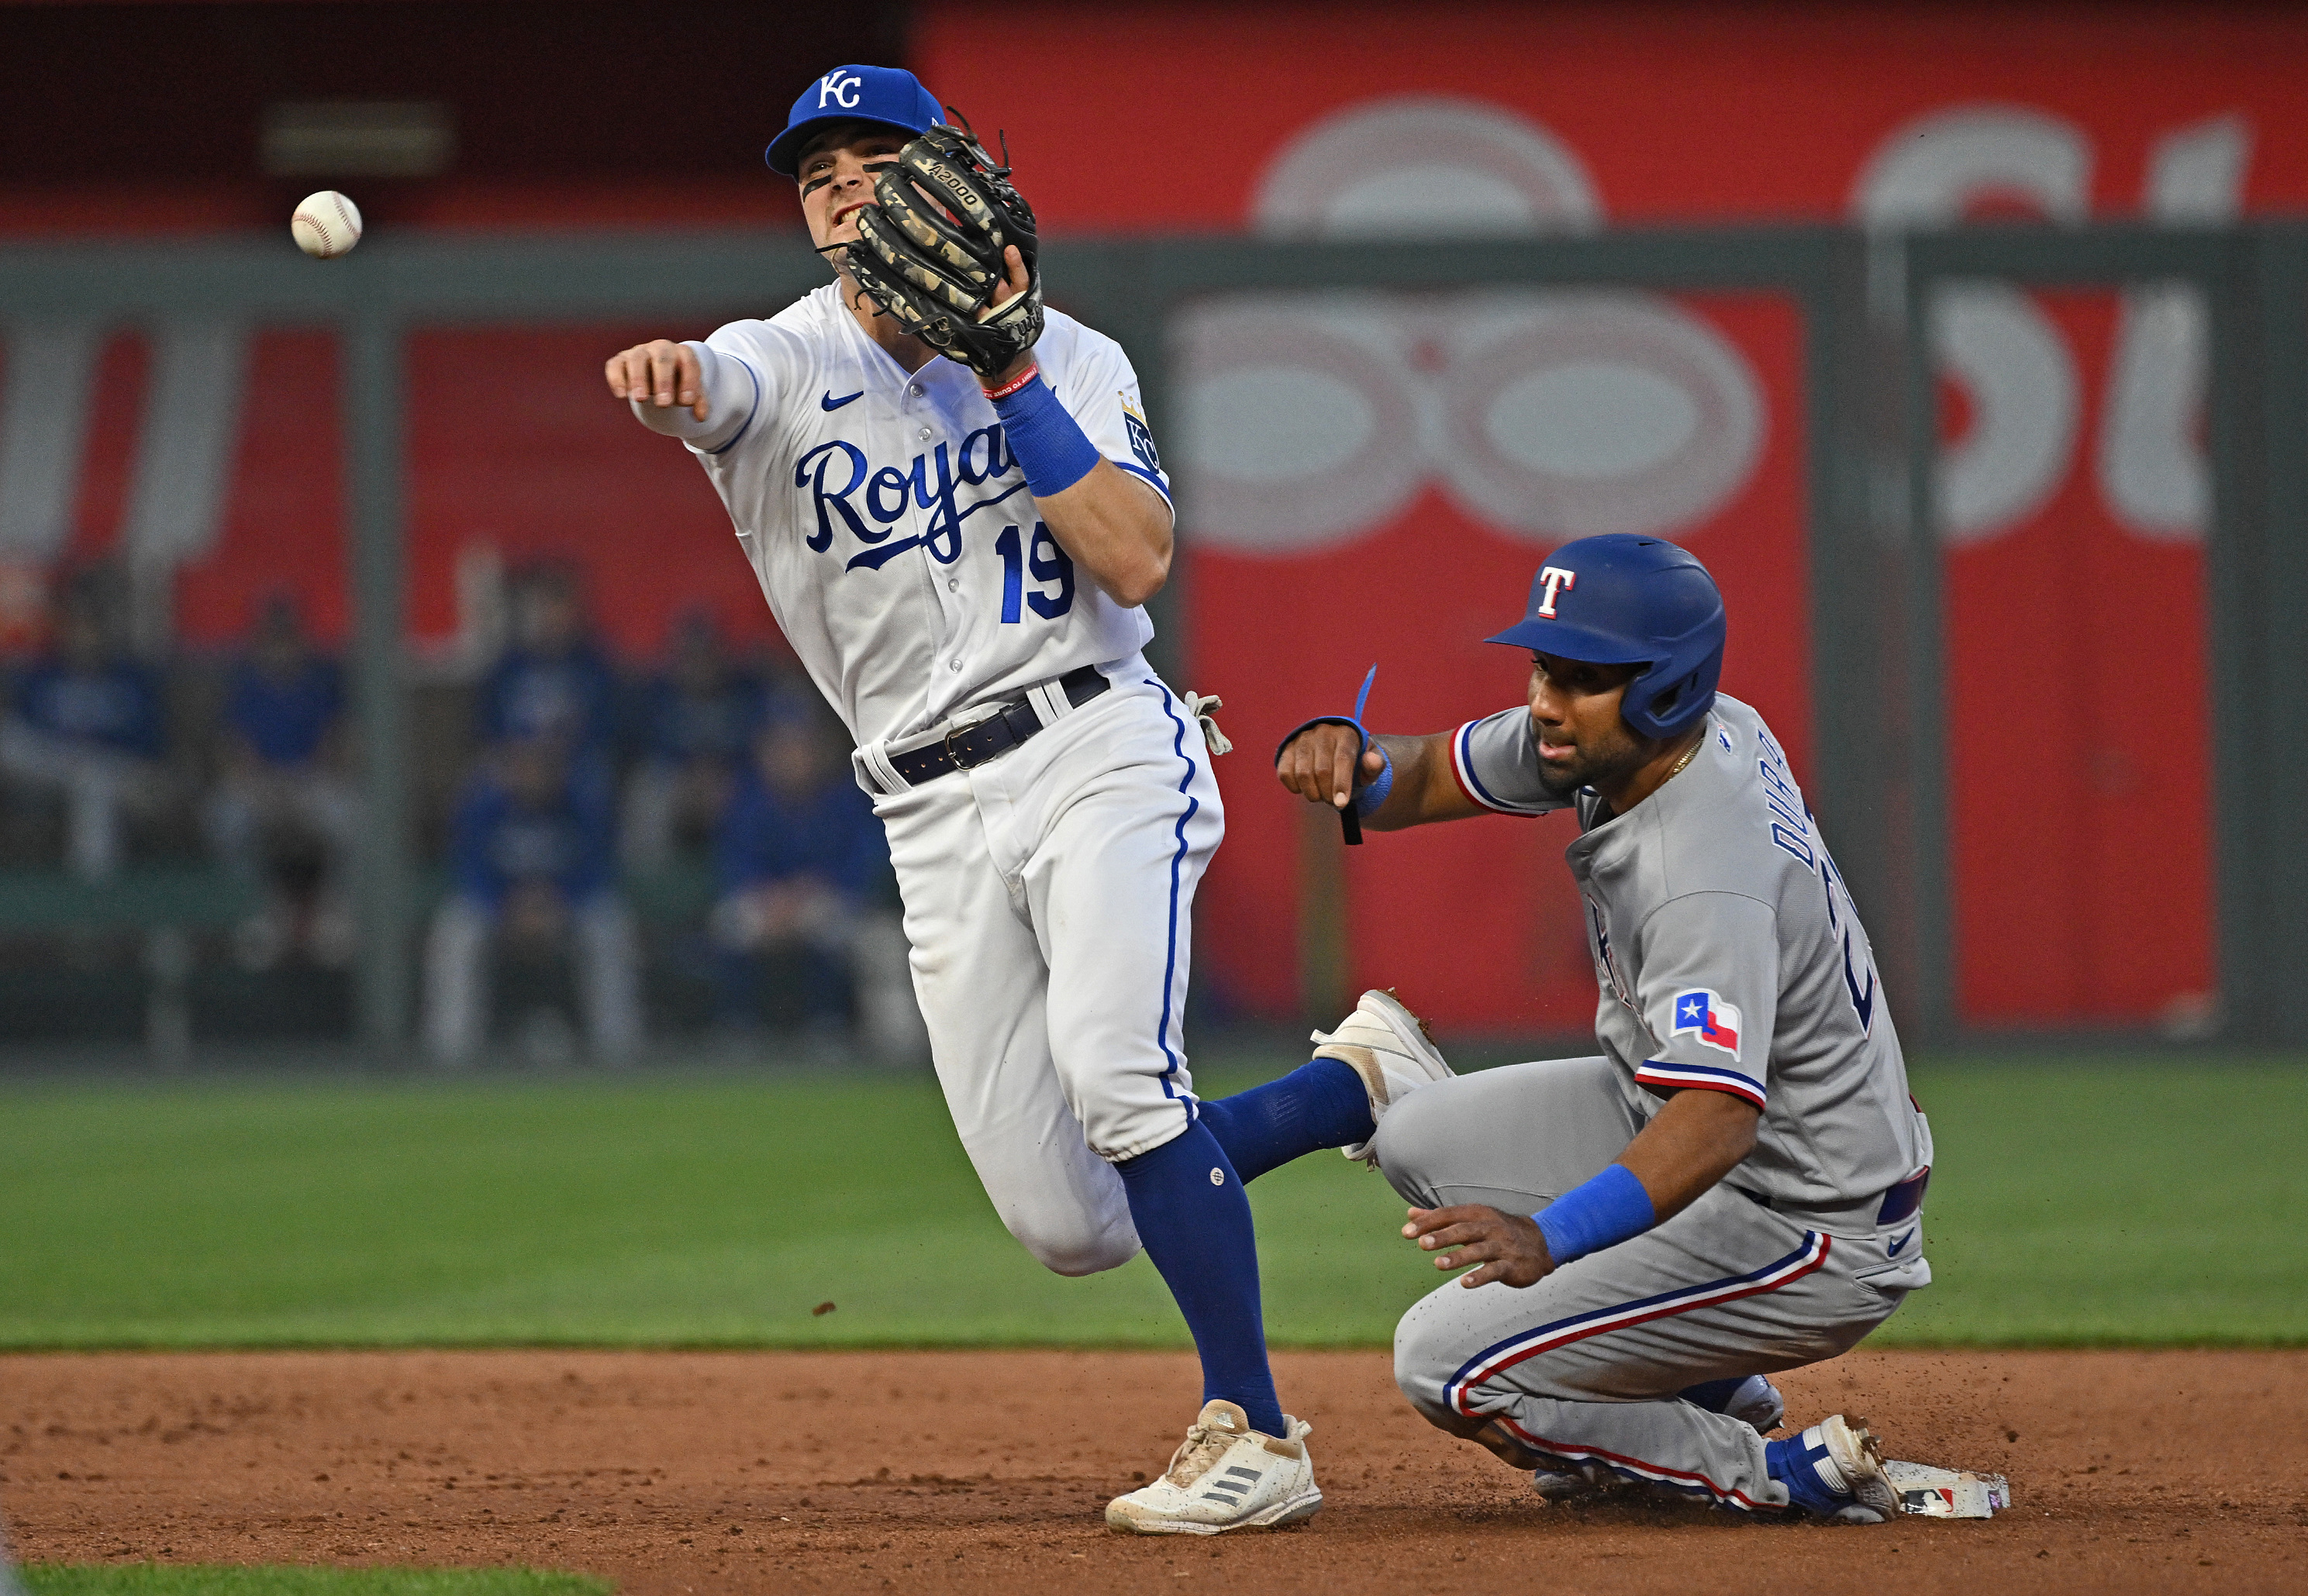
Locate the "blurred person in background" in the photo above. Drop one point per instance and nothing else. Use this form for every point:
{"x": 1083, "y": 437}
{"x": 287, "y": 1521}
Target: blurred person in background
{"x": 553, "y": 681}
{"x": 533, "y": 873}
{"x": 806, "y": 891}
{"x": 88, "y": 724}
{"x": 282, "y": 808}
{"x": 694, "y": 720}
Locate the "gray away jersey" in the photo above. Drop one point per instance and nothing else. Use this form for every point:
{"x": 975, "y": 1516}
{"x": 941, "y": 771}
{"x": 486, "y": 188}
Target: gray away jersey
{"x": 1729, "y": 956}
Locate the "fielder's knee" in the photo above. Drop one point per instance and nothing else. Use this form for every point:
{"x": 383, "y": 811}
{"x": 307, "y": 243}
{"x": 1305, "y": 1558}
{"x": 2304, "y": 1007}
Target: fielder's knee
{"x": 1074, "y": 1249}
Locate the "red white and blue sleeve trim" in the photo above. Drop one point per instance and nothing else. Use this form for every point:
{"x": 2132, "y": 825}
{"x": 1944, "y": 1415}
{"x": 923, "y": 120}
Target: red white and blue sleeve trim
{"x": 1493, "y": 1361}
{"x": 1462, "y": 766}
{"x": 1668, "y": 1075}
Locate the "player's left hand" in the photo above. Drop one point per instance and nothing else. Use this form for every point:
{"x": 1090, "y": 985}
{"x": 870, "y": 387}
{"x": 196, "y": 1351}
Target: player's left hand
{"x": 1509, "y": 1247}
{"x": 1015, "y": 280}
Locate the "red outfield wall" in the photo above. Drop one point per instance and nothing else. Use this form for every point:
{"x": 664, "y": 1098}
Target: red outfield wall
{"x": 2074, "y": 478}
{"x": 1377, "y": 476}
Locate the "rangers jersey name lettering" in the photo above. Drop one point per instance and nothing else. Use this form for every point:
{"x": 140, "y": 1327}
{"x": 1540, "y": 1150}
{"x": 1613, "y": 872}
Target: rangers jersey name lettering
{"x": 868, "y": 502}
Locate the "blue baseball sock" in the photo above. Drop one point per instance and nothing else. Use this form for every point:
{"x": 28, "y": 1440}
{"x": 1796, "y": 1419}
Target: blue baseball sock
{"x": 1194, "y": 1216}
{"x": 1322, "y": 1104}
{"x": 1714, "y": 1395}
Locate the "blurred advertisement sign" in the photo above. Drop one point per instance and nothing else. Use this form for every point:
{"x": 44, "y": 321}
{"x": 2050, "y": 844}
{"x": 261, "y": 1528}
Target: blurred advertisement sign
{"x": 1376, "y": 475}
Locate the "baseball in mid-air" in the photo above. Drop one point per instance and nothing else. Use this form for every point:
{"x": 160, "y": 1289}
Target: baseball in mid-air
{"x": 326, "y": 225}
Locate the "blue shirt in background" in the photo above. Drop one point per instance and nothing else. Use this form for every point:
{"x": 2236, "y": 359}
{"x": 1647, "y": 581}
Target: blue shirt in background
{"x": 497, "y": 842}
{"x": 831, "y": 834}
{"x": 117, "y": 706}
{"x": 285, "y": 722}
{"x": 678, "y": 726}
{"x": 571, "y": 697}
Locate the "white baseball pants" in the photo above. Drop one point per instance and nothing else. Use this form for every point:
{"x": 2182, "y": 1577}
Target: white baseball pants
{"x": 607, "y": 952}
{"x": 1048, "y": 905}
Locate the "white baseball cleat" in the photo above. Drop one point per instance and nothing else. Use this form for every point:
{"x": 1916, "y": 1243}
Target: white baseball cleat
{"x": 1224, "y": 1476}
{"x": 1388, "y": 1046}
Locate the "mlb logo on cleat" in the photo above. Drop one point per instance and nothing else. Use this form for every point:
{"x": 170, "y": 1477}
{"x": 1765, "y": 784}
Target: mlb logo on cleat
{"x": 1715, "y": 1021}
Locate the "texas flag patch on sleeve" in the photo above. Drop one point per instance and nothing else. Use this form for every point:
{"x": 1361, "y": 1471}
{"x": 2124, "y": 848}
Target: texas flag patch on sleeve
{"x": 1707, "y": 1015}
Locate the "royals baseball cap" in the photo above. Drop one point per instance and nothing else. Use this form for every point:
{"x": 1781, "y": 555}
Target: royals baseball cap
{"x": 889, "y": 95}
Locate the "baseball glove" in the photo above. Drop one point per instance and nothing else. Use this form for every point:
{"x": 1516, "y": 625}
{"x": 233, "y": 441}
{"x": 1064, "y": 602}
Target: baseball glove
{"x": 929, "y": 250}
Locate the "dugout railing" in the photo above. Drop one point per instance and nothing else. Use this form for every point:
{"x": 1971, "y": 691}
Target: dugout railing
{"x": 1868, "y": 418}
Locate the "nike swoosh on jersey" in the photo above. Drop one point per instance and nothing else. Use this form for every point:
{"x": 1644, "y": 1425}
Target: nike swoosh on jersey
{"x": 832, "y": 403}
{"x": 1892, "y": 1251}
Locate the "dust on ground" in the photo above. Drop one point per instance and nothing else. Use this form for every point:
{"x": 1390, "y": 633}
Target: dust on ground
{"x": 2165, "y": 1471}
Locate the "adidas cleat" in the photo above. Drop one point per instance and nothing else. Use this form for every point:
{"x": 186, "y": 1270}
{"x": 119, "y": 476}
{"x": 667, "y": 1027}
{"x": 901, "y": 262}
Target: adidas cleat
{"x": 1224, "y": 1476}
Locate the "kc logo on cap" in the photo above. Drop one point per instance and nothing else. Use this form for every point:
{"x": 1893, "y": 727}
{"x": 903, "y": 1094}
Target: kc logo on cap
{"x": 889, "y": 95}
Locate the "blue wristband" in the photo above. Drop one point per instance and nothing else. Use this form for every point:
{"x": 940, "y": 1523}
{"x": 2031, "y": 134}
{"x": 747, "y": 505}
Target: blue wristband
{"x": 1601, "y": 1213}
{"x": 1368, "y": 798}
{"x": 1045, "y": 439}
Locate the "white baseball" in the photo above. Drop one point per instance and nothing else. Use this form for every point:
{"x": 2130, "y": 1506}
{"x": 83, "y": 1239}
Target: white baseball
{"x": 326, "y": 225}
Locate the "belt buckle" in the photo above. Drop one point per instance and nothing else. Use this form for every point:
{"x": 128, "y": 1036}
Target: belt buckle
{"x": 955, "y": 754}
{"x": 946, "y": 742}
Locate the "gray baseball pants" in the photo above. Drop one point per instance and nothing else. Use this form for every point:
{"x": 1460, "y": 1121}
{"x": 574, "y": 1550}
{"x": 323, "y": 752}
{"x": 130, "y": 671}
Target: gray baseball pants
{"x": 1583, "y": 1366}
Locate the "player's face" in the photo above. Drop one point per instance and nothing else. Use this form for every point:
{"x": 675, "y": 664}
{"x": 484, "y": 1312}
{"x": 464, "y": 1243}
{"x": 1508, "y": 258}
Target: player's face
{"x": 1574, "y": 710}
{"x": 836, "y": 174}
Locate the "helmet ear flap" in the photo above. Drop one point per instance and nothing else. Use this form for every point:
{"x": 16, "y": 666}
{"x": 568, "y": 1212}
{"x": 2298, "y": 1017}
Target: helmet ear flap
{"x": 1660, "y": 710}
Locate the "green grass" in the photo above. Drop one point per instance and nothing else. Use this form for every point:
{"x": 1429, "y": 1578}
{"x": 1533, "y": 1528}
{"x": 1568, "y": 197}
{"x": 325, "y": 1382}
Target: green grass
{"x": 2076, "y": 1201}
{"x": 160, "y": 1579}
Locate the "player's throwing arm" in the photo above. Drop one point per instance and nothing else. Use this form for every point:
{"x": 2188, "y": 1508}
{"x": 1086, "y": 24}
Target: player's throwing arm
{"x": 954, "y": 506}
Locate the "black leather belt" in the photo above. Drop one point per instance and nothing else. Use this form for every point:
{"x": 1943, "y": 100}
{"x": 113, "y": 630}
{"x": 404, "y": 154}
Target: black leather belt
{"x": 1899, "y": 1202}
{"x": 997, "y": 734}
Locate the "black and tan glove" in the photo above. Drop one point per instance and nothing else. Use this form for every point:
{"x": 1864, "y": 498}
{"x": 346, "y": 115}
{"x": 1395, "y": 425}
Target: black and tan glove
{"x": 930, "y": 250}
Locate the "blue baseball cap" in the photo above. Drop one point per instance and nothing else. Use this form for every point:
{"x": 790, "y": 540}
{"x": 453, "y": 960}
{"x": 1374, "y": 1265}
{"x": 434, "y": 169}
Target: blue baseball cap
{"x": 889, "y": 95}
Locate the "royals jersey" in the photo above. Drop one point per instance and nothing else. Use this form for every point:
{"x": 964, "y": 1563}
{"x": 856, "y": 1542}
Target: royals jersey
{"x": 892, "y": 532}
{"x": 1729, "y": 956}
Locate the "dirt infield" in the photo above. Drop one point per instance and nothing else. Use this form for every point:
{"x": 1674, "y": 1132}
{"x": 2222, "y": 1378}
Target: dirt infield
{"x": 2169, "y": 1471}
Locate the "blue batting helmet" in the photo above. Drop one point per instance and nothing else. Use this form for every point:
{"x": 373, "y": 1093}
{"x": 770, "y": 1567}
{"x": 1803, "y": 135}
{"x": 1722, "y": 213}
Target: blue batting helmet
{"x": 889, "y": 95}
{"x": 1622, "y": 599}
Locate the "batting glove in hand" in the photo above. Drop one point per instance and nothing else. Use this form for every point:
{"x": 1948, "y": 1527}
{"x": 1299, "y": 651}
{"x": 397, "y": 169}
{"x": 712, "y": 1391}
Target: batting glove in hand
{"x": 930, "y": 250}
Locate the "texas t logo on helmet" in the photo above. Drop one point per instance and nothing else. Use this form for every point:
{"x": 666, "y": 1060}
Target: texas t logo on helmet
{"x": 1642, "y": 601}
